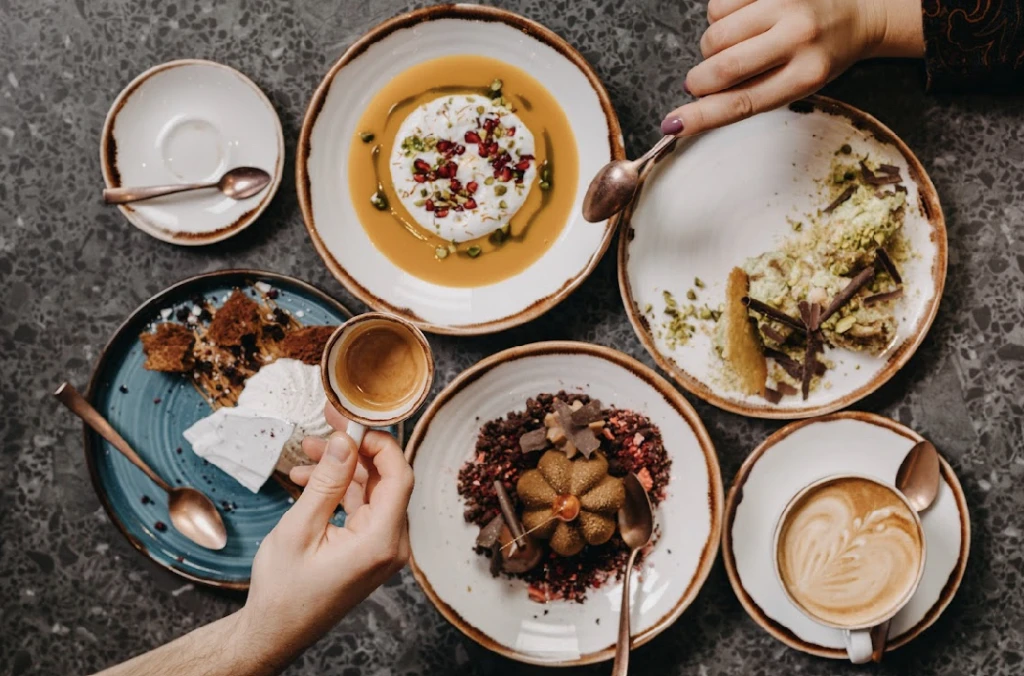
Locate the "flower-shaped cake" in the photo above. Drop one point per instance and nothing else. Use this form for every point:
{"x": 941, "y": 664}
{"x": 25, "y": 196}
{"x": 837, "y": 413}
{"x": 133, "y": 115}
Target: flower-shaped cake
{"x": 572, "y": 503}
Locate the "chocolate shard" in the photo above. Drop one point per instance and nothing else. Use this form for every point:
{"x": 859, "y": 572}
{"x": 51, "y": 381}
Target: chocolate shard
{"x": 787, "y": 363}
{"x": 536, "y": 440}
{"x": 786, "y": 389}
{"x": 844, "y": 296}
{"x": 883, "y": 258}
{"x": 871, "y": 178}
{"x": 883, "y": 297}
{"x": 591, "y": 412}
{"x": 586, "y": 441}
{"x": 773, "y": 396}
{"x": 805, "y": 314}
{"x": 769, "y": 331}
{"x": 496, "y": 559}
{"x": 843, "y": 196}
{"x": 490, "y": 533}
{"x": 809, "y": 360}
{"x": 890, "y": 169}
{"x": 564, "y": 414}
{"x": 819, "y": 368}
{"x": 815, "y": 316}
{"x": 773, "y": 314}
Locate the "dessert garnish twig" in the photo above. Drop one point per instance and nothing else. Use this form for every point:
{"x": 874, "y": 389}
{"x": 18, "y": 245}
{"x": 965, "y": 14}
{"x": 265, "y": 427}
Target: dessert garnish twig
{"x": 772, "y": 313}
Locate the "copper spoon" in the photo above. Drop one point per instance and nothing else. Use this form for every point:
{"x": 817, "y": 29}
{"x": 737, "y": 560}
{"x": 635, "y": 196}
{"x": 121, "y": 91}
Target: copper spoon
{"x": 191, "y": 512}
{"x": 615, "y": 184}
{"x": 918, "y": 480}
{"x": 636, "y": 526}
{"x": 239, "y": 183}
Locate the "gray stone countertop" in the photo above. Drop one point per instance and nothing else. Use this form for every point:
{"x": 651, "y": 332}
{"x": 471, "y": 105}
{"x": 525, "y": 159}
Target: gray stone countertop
{"x": 76, "y": 597}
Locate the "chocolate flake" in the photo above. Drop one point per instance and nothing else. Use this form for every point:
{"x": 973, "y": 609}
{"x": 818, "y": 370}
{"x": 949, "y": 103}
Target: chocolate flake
{"x": 581, "y": 436}
{"x": 787, "y": 363}
{"x": 591, "y": 412}
{"x": 536, "y": 440}
{"x": 810, "y": 313}
{"x": 845, "y": 195}
{"x": 882, "y": 256}
{"x": 769, "y": 331}
{"x": 786, "y": 389}
{"x": 890, "y": 169}
{"x": 871, "y": 178}
{"x": 773, "y": 396}
{"x": 772, "y": 313}
{"x": 809, "y": 359}
{"x": 495, "y": 559}
{"x": 883, "y": 297}
{"x": 844, "y": 296}
{"x": 508, "y": 511}
{"x": 490, "y": 533}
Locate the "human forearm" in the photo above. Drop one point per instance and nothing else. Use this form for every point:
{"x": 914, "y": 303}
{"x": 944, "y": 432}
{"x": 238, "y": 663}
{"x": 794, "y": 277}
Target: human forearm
{"x": 227, "y": 647}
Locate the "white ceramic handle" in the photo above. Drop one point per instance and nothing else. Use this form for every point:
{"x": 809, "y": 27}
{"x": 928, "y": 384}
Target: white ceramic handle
{"x": 858, "y": 645}
{"x": 357, "y": 431}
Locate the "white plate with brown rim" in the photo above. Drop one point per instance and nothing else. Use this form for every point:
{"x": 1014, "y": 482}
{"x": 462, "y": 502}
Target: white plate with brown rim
{"x": 734, "y": 193}
{"x": 558, "y": 633}
{"x": 850, "y": 442}
{"x": 189, "y": 121}
{"x": 389, "y": 258}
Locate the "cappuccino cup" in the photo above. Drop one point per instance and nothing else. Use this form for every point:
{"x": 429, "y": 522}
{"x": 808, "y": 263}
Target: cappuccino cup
{"x": 377, "y": 369}
{"x": 850, "y": 553}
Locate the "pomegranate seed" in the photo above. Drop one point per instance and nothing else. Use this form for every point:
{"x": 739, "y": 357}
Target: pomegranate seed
{"x": 458, "y": 207}
{"x": 419, "y": 178}
{"x": 459, "y": 149}
{"x": 505, "y": 174}
{"x": 456, "y": 185}
{"x": 472, "y": 137}
{"x": 470, "y": 203}
{"x": 523, "y": 165}
{"x": 482, "y": 150}
{"x": 490, "y": 123}
{"x": 429, "y": 205}
{"x": 441, "y": 213}
{"x": 421, "y": 166}
{"x": 511, "y": 131}
{"x": 472, "y": 186}
{"x": 432, "y": 176}
{"x": 492, "y": 149}
{"x": 444, "y": 146}
{"x": 526, "y": 157}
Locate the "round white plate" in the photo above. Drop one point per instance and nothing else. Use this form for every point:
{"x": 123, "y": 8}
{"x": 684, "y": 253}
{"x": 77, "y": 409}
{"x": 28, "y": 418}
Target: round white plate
{"x": 725, "y": 196}
{"x": 799, "y": 454}
{"x": 331, "y": 125}
{"x": 188, "y": 122}
{"x": 558, "y": 633}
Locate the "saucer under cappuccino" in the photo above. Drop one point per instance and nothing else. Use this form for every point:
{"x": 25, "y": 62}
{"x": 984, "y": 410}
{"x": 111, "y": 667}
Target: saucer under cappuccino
{"x": 849, "y": 552}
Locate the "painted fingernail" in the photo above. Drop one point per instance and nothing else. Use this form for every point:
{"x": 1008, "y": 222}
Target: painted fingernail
{"x": 671, "y": 126}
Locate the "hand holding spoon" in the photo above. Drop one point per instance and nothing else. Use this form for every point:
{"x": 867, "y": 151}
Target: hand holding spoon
{"x": 636, "y": 526}
{"x": 615, "y": 184}
{"x": 239, "y": 183}
{"x": 918, "y": 479}
{"x": 191, "y": 512}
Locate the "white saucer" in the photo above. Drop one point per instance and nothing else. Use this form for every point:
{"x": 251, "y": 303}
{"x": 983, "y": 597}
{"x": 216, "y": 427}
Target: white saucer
{"x": 497, "y": 613}
{"x": 190, "y": 121}
{"x": 795, "y": 456}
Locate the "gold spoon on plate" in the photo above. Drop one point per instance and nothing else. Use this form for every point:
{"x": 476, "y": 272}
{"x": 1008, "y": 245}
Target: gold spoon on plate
{"x": 636, "y": 526}
{"x": 239, "y": 183}
{"x": 191, "y": 512}
{"x": 613, "y": 187}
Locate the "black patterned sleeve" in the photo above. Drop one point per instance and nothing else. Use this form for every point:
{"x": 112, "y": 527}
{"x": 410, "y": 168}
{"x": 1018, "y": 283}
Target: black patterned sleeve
{"x": 974, "y": 44}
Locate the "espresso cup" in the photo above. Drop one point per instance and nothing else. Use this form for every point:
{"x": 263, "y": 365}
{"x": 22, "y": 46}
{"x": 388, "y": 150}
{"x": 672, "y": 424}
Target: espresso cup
{"x": 377, "y": 369}
{"x": 849, "y": 553}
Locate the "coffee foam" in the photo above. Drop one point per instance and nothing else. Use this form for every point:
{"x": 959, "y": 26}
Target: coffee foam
{"x": 849, "y": 552}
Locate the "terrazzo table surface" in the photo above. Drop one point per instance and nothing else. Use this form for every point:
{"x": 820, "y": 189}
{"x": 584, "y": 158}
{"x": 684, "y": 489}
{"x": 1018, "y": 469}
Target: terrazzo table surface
{"x": 75, "y": 596}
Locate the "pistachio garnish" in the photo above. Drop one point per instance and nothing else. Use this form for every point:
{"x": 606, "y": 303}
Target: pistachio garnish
{"x": 500, "y": 190}
{"x": 441, "y": 252}
{"x": 366, "y": 136}
{"x": 473, "y": 251}
{"x": 379, "y": 200}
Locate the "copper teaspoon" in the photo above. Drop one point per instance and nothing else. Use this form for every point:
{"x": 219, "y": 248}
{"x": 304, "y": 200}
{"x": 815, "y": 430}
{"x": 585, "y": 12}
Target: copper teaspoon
{"x": 239, "y": 183}
{"x": 636, "y": 526}
{"x": 615, "y": 184}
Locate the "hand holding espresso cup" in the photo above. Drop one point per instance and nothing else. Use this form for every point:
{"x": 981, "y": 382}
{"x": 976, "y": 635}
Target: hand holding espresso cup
{"x": 850, "y": 554}
{"x": 377, "y": 369}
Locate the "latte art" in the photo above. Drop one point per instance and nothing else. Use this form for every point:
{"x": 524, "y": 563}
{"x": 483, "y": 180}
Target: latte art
{"x": 849, "y": 552}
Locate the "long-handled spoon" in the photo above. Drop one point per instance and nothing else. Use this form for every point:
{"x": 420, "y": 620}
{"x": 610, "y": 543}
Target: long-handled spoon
{"x": 239, "y": 183}
{"x": 918, "y": 479}
{"x": 191, "y": 512}
{"x": 615, "y": 184}
{"x": 636, "y": 526}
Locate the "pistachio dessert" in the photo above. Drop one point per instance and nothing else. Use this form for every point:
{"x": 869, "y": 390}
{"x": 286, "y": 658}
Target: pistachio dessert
{"x": 834, "y": 284}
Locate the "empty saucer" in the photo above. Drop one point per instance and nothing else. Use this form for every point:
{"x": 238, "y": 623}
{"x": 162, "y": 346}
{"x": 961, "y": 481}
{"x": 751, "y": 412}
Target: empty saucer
{"x": 187, "y": 122}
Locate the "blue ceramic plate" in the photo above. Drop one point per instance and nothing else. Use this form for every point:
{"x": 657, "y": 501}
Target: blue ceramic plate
{"x": 151, "y": 410}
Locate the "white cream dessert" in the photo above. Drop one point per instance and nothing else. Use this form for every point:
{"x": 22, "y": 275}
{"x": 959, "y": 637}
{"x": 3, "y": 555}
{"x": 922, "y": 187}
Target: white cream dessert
{"x": 463, "y": 166}
{"x": 290, "y": 390}
{"x": 280, "y": 405}
{"x": 244, "y": 444}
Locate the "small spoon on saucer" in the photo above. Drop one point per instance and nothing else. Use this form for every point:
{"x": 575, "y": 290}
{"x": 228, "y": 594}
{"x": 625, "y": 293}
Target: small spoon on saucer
{"x": 636, "y": 526}
{"x": 918, "y": 480}
{"x": 239, "y": 183}
{"x": 191, "y": 512}
{"x": 615, "y": 184}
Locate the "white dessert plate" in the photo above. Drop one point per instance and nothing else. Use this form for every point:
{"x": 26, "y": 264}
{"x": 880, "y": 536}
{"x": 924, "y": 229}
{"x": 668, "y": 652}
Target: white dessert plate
{"x": 497, "y": 613}
{"x": 727, "y": 195}
{"x": 330, "y": 127}
{"x": 803, "y": 452}
{"x": 190, "y": 121}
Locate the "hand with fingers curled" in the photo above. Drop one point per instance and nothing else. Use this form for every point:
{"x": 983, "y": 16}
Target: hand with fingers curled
{"x": 308, "y": 572}
{"x": 762, "y": 54}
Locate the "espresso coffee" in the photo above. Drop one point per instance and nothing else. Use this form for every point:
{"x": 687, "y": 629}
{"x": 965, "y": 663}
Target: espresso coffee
{"x": 849, "y": 552}
{"x": 382, "y": 367}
